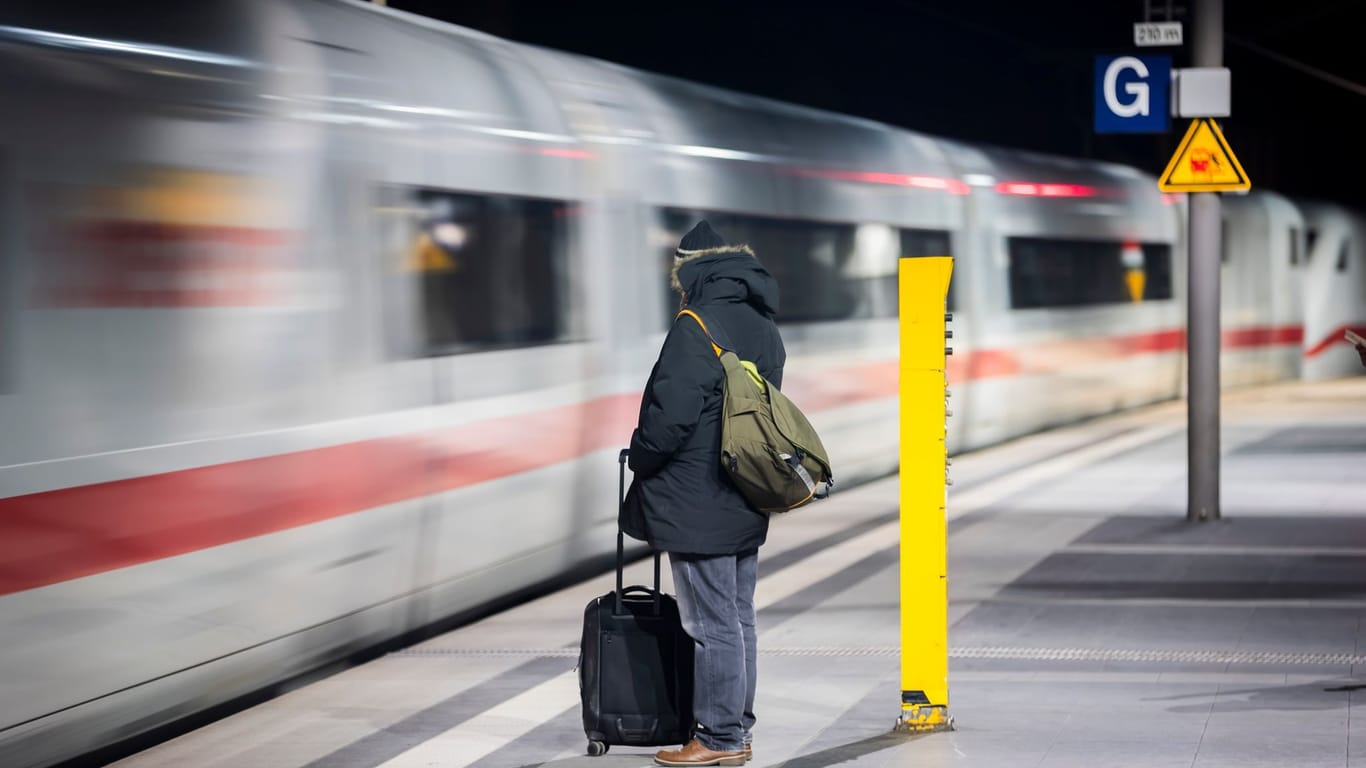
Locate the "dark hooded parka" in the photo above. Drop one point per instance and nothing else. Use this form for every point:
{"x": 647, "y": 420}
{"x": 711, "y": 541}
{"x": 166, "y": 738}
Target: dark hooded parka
{"x": 681, "y": 500}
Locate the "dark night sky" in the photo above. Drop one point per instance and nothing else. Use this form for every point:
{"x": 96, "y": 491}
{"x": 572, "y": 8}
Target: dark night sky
{"x": 1016, "y": 73}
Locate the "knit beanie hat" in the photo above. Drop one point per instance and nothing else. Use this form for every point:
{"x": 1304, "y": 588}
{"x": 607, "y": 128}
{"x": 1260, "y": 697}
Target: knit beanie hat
{"x": 700, "y": 238}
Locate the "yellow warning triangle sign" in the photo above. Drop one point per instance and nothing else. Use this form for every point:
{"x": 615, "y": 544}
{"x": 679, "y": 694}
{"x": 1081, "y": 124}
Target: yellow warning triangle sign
{"x": 1204, "y": 163}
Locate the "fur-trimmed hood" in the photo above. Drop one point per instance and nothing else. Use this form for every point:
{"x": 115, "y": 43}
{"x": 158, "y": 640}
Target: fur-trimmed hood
{"x": 682, "y": 257}
{"x": 724, "y": 273}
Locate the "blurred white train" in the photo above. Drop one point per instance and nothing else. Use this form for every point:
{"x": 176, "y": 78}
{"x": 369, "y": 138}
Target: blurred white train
{"x": 321, "y": 323}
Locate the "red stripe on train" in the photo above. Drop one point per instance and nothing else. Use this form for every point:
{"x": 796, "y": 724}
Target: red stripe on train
{"x": 1336, "y": 337}
{"x": 1242, "y": 338}
{"x": 65, "y": 534}
{"x": 59, "y": 535}
{"x": 1049, "y": 357}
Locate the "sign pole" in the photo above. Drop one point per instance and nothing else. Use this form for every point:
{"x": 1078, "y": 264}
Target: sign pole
{"x": 923, "y": 287}
{"x": 1202, "y": 313}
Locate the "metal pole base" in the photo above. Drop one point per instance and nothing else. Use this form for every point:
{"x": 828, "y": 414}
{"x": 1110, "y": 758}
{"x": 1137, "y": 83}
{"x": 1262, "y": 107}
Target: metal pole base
{"x": 924, "y": 718}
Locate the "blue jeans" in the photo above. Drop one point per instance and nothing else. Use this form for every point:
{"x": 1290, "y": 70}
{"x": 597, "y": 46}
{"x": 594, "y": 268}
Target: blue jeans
{"x": 716, "y": 600}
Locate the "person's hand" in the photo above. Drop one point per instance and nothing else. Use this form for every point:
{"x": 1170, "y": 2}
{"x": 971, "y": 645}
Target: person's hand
{"x": 1361, "y": 353}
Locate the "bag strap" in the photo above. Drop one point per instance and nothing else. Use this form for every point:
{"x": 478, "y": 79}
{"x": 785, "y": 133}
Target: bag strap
{"x": 748, "y": 367}
{"x": 715, "y": 347}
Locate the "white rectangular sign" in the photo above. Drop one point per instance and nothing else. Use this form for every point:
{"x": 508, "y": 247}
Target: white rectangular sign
{"x": 1203, "y": 91}
{"x": 1157, "y": 33}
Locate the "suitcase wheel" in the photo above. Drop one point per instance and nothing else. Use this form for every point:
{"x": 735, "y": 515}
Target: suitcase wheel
{"x": 597, "y": 748}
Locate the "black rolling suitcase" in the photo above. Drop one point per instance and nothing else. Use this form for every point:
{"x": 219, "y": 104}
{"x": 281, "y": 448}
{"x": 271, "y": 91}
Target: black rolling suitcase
{"x": 635, "y": 663}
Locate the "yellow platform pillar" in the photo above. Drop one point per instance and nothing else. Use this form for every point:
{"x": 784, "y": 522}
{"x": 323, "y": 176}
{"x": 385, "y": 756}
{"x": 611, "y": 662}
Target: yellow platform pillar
{"x": 923, "y": 290}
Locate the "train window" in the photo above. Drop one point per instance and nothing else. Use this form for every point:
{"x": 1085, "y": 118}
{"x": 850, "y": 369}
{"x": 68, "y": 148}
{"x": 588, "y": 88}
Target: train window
{"x": 1311, "y": 236}
{"x": 1294, "y": 247}
{"x": 1074, "y": 273}
{"x": 490, "y": 270}
{"x": 1157, "y": 271}
{"x": 1342, "y": 257}
{"x": 825, "y": 271}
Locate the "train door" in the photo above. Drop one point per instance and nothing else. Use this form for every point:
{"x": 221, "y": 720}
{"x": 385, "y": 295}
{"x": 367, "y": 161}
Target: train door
{"x": 609, "y": 114}
{"x": 982, "y": 323}
{"x": 602, "y": 109}
{"x": 1286, "y": 276}
{"x": 479, "y": 206}
{"x": 1334, "y": 290}
{"x": 1245, "y": 290}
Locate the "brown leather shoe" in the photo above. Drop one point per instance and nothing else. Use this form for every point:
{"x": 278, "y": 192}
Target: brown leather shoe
{"x": 695, "y": 753}
{"x": 749, "y": 753}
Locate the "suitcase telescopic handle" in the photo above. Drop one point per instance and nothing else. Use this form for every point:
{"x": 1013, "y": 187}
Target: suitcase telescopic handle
{"x": 621, "y": 537}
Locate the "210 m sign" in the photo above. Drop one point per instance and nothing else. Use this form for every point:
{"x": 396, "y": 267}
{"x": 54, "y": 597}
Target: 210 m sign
{"x": 1157, "y": 33}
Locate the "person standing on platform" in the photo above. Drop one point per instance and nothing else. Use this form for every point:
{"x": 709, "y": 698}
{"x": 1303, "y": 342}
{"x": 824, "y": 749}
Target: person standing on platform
{"x": 683, "y": 503}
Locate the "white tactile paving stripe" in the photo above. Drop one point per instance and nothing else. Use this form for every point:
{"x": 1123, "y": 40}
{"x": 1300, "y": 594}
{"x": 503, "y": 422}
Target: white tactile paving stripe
{"x": 823, "y": 565}
{"x": 314, "y": 720}
{"x": 495, "y": 727}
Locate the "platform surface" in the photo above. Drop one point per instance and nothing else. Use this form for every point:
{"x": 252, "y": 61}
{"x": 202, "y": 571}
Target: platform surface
{"x": 1090, "y": 624}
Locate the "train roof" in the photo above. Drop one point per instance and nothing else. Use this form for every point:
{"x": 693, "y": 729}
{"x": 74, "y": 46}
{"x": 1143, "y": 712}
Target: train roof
{"x": 841, "y": 132}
